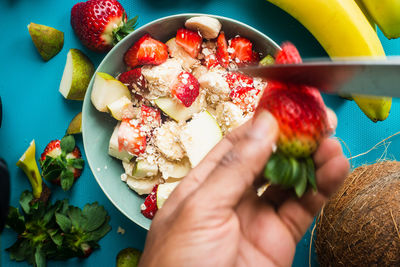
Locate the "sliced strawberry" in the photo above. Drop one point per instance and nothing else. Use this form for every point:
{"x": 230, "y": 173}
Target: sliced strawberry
{"x": 245, "y": 98}
{"x": 242, "y": 92}
{"x": 242, "y": 50}
{"x": 222, "y": 50}
{"x": 288, "y": 55}
{"x": 186, "y": 88}
{"x": 134, "y": 78}
{"x": 52, "y": 149}
{"x": 146, "y": 51}
{"x": 149, "y": 207}
{"x": 189, "y": 40}
{"x": 150, "y": 116}
{"x": 62, "y": 162}
{"x": 237, "y": 79}
{"x": 211, "y": 61}
{"x": 131, "y": 137}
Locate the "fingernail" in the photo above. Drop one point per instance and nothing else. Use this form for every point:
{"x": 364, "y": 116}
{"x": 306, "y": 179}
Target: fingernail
{"x": 262, "y": 124}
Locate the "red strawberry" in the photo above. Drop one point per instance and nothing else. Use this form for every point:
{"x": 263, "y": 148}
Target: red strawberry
{"x": 189, "y": 40}
{"x": 303, "y": 123}
{"x": 86, "y": 249}
{"x": 131, "y": 137}
{"x": 149, "y": 207}
{"x": 245, "y": 98}
{"x": 62, "y": 162}
{"x": 242, "y": 92}
{"x": 100, "y": 24}
{"x": 211, "y": 61}
{"x": 242, "y": 51}
{"x": 150, "y": 116}
{"x": 134, "y": 78}
{"x": 237, "y": 79}
{"x": 186, "y": 88}
{"x": 222, "y": 50}
{"x": 301, "y": 117}
{"x": 146, "y": 51}
{"x": 288, "y": 55}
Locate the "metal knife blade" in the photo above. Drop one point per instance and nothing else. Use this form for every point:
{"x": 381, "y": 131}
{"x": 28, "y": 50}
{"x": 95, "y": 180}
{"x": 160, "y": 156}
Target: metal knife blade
{"x": 364, "y": 77}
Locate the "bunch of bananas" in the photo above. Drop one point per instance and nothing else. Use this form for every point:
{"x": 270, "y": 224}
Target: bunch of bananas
{"x": 346, "y": 28}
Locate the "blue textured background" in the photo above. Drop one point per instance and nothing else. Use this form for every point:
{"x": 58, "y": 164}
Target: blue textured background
{"x": 34, "y": 109}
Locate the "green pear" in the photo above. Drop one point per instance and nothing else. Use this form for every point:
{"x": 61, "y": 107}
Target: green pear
{"x": 78, "y": 71}
{"x": 128, "y": 257}
{"x": 176, "y": 110}
{"x": 75, "y": 126}
{"x": 106, "y": 90}
{"x": 163, "y": 192}
{"x": 199, "y": 136}
{"x": 116, "y": 108}
{"x": 267, "y": 60}
{"x": 28, "y": 164}
{"x": 48, "y": 41}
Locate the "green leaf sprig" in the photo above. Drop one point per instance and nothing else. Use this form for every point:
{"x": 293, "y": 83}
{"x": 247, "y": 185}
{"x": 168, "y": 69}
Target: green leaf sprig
{"x": 56, "y": 231}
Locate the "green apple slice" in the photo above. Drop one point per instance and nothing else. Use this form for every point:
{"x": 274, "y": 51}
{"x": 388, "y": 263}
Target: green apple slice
{"x": 78, "y": 71}
{"x": 143, "y": 169}
{"x": 176, "y": 110}
{"x": 106, "y": 90}
{"x": 75, "y": 126}
{"x": 113, "y": 148}
{"x": 28, "y": 164}
{"x": 116, "y": 108}
{"x": 175, "y": 169}
{"x": 48, "y": 41}
{"x": 199, "y": 136}
{"x": 163, "y": 192}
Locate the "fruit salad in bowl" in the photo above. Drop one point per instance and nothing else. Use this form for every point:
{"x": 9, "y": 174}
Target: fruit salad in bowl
{"x": 173, "y": 96}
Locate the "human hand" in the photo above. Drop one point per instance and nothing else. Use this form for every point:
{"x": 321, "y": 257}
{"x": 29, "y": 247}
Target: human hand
{"x": 215, "y": 218}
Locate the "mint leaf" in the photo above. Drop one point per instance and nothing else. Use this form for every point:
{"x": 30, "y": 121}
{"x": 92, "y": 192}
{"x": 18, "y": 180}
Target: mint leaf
{"x": 15, "y": 220}
{"x": 67, "y": 179}
{"x": 40, "y": 257}
{"x": 64, "y": 222}
{"x": 95, "y": 216}
{"x": 76, "y": 163}
{"x": 25, "y": 200}
{"x": 67, "y": 144}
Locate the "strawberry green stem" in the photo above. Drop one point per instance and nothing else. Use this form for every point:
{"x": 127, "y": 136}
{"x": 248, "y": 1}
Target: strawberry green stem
{"x": 291, "y": 172}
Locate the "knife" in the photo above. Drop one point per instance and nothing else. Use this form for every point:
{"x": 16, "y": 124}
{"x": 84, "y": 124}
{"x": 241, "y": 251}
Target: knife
{"x": 343, "y": 77}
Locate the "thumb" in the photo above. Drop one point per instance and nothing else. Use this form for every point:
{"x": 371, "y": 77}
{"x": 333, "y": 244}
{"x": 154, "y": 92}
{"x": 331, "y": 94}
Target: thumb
{"x": 239, "y": 167}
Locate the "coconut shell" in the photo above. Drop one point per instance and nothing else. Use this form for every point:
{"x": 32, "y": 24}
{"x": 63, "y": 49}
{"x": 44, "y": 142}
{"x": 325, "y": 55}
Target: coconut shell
{"x": 359, "y": 225}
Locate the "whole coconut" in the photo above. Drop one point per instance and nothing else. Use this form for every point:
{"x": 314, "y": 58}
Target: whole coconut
{"x": 359, "y": 226}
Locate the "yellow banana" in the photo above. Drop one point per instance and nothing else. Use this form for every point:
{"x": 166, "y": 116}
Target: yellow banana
{"x": 343, "y": 30}
{"x": 386, "y": 13}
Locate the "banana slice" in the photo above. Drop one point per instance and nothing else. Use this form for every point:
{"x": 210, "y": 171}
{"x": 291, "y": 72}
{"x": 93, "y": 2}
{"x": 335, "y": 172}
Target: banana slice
{"x": 142, "y": 186}
{"x": 167, "y": 141}
{"x": 208, "y": 27}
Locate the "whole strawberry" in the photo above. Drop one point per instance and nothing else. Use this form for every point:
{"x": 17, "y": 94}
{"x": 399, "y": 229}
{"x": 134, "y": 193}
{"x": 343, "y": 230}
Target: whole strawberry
{"x": 303, "y": 123}
{"x": 100, "y": 24}
{"x": 61, "y": 162}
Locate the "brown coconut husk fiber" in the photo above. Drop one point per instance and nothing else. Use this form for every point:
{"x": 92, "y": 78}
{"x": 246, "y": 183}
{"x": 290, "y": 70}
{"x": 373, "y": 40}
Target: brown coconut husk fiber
{"x": 359, "y": 225}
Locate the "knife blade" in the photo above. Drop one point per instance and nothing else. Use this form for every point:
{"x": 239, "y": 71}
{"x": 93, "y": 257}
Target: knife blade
{"x": 360, "y": 77}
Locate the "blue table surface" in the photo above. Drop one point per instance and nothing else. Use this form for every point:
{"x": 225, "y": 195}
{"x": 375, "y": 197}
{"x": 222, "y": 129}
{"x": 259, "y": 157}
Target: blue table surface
{"x": 34, "y": 109}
